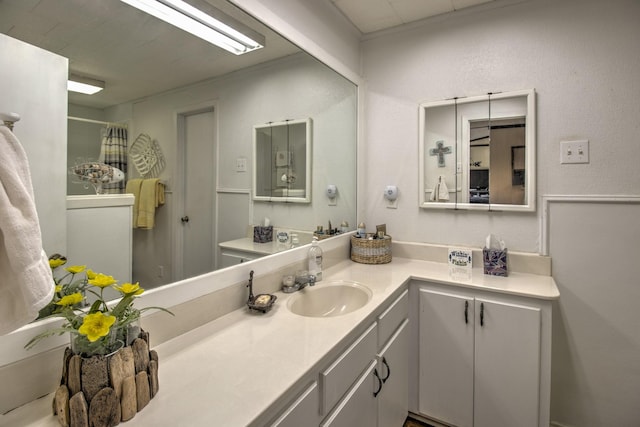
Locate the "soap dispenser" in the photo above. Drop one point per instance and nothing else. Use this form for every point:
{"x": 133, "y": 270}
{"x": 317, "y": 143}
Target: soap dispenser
{"x": 315, "y": 260}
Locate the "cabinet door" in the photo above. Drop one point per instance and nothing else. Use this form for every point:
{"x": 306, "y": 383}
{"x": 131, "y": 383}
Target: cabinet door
{"x": 358, "y": 407}
{"x": 507, "y": 365}
{"x": 303, "y": 412}
{"x": 393, "y": 399}
{"x": 446, "y": 357}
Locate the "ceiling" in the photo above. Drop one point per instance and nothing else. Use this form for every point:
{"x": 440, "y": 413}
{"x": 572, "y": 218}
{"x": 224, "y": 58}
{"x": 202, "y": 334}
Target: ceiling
{"x": 137, "y": 55}
{"x": 374, "y": 15}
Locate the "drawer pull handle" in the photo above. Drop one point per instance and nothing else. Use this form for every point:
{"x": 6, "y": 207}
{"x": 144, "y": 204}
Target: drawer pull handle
{"x": 384, "y": 361}
{"x": 377, "y": 392}
{"x": 481, "y": 314}
{"x": 466, "y": 312}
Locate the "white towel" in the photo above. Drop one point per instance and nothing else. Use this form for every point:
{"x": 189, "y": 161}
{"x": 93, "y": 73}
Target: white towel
{"x": 26, "y": 283}
{"x": 440, "y": 192}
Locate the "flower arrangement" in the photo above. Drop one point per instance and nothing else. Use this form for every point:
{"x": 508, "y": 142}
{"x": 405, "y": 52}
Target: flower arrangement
{"x": 97, "y": 329}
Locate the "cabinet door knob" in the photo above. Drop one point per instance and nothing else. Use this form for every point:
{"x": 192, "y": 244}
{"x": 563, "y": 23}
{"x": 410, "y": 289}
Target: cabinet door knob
{"x": 377, "y": 392}
{"x": 184, "y": 219}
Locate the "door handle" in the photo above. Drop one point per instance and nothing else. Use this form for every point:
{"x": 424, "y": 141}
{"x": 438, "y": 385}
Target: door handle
{"x": 466, "y": 312}
{"x": 184, "y": 219}
{"x": 375, "y": 393}
{"x": 384, "y": 361}
{"x": 481, "y": 314}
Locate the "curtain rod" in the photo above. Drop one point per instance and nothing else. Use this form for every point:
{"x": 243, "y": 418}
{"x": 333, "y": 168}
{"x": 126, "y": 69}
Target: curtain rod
{"x": 100, "y": 122}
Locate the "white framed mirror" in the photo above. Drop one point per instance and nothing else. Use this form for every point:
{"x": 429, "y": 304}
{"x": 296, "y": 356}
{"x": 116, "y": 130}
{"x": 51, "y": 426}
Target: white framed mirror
{"x": 478, "y": 153}
{"x": 282, "y": 161}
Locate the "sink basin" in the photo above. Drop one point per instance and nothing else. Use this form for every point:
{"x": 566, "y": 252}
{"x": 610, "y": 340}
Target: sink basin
{"x": 329, "y": 299}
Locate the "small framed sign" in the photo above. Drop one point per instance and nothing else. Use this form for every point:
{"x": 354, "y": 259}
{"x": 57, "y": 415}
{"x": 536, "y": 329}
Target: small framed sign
{"x": 460, "y": 264}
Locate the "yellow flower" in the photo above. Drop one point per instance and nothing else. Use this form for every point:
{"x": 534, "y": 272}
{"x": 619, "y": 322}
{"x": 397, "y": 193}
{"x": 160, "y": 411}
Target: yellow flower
{"x": 75, "y": 269}
{"x": 96, "y": 325}
{"x": 102, "y": 280}
{"x": 130, "y": 288}
{"x": 72, "y": 299}
{"x": 56, "y": 262}
{"x": 58, "y": 288}
{"x": 91, "y": 274}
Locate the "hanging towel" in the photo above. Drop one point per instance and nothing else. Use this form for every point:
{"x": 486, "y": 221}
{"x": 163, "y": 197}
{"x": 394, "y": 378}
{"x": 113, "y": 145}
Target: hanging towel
{"x": 440, "y": 192}
{"x": 133, "y": 187}
{"x": 151, "y": 196}
{"x": 26, "y": 283}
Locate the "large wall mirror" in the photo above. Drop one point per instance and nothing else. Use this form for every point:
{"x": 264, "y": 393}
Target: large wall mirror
{"x": 479, "y": 152}
{"x": 166, "y": 83}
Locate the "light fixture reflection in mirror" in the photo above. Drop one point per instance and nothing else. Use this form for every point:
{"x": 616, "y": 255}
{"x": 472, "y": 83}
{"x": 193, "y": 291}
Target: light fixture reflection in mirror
{"x": 490, "y": 164}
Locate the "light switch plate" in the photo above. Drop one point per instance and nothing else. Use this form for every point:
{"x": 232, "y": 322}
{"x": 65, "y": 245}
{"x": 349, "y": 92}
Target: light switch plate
{"x": 574, "y": 151}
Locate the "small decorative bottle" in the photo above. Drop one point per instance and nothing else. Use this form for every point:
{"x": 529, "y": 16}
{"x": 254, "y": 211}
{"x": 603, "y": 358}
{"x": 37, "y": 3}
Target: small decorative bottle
{"x": 315, "y": 260}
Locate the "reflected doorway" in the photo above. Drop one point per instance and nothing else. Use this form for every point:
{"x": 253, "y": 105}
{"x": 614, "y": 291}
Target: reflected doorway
{"x": 196, "y": 202}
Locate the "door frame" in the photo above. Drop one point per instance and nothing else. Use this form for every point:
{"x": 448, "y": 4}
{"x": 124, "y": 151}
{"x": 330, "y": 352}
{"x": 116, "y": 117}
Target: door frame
{"x": 177, "y": 231}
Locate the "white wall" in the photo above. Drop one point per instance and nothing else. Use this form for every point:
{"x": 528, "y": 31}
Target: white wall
{"x": 582, "y": 59}
{"x": 595, "y": 378}
{"x": 33, "y": 83}
{"x": 579, "y": 56}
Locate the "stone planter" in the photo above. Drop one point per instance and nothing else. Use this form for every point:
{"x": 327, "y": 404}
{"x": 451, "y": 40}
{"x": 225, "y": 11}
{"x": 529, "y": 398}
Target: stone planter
{"x": 104, "y": 390}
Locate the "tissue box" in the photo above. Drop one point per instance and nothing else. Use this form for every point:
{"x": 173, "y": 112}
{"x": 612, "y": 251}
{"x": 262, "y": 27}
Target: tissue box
{"x": 262, "y": 234}
{"x": 495, "y": 262}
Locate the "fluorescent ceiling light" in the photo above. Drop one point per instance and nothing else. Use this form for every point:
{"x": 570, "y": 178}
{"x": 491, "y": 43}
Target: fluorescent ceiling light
{"x": 84, "y": 85}
{"x": 198, "y": 23}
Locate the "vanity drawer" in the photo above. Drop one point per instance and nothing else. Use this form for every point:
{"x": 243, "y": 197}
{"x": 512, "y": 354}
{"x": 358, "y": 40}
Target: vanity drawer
{"x": 392, "y": 317}
{"x": 344, "y": 371}
{"x": 303, "y": 411}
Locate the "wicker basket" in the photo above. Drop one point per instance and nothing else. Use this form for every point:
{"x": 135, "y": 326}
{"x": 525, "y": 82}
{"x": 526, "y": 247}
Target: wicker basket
{"x": 371, "y": 251}
{"x": 322, "y": 236}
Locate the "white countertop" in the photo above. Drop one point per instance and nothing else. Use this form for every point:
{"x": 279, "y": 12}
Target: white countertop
{"x": 227, "y": 372}
{"x": 246, "y": 244}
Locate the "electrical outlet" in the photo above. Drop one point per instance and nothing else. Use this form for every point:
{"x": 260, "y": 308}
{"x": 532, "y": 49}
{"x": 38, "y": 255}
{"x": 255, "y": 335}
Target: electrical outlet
{"x": 574, "y": 151}
{"x": 241, "y": 164}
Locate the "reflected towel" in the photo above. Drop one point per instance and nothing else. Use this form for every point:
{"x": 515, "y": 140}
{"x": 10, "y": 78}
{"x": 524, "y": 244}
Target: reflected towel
{"x": 133, "y": 187}
{"x": 440, "y": 192}
{"x": 26, "y": 283}
{"x": 151, "y": 196}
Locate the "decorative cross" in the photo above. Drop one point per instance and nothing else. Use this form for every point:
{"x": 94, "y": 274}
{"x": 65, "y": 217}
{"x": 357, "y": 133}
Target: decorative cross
{"x": 440, "y": 151}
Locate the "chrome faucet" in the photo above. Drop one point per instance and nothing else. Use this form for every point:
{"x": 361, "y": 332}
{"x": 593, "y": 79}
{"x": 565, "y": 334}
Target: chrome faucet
{"x": 309, "y": 280}
{"x": 301, "y": 282}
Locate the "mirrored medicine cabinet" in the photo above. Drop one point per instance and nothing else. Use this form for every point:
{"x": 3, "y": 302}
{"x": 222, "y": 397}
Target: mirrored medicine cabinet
{"x": 478, "y": 153}
{"x": 282, "y": 161}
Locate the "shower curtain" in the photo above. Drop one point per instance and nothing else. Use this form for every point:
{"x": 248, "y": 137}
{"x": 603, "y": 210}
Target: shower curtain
{"x": 114, "y": 153}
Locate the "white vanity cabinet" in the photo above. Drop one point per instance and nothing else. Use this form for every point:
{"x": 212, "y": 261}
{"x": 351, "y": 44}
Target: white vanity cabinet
{"x": 366, "y": 384}
{"x": 484, "y": 358}
{"x": 380, "y": 395}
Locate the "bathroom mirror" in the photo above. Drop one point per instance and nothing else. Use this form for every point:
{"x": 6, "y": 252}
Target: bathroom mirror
{"x": 282, "y": 161}
{"x": 478, "y": 153}
{"x": 275, "y": 83}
